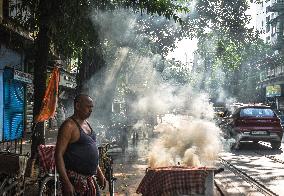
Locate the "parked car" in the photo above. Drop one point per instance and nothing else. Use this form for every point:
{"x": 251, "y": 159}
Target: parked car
{"x": 280, "y": 114}
{"x": 254, "y": 123}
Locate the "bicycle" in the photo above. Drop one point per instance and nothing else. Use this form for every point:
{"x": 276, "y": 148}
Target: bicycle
{"x": 49, "y": 183}
{"x": 12, "y": 178}
{"x": 106, "y": 162}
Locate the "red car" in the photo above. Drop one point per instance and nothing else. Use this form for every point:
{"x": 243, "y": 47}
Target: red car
{"x": 254, "y": 123}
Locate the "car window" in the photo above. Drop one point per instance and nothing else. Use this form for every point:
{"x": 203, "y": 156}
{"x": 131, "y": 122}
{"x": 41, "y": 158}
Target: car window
{"x": 256, "y": 112}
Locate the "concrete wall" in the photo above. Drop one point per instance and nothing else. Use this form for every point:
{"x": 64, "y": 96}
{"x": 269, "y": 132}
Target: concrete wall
{"x": 11, "y": 58}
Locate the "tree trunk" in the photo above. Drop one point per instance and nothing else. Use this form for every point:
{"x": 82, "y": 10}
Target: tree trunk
{"x": 92, "y": 62}
{"x": 40, "y": 75}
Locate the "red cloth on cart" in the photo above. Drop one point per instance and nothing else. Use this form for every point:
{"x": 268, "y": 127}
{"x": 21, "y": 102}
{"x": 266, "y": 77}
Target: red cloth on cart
{"x": 46, "y": 157}
{"x": 173, "y": 180}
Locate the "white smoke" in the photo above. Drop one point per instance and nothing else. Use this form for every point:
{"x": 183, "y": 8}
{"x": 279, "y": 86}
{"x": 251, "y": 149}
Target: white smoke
{"x": 191, "y": 138}
{"x": 190, "y": 142}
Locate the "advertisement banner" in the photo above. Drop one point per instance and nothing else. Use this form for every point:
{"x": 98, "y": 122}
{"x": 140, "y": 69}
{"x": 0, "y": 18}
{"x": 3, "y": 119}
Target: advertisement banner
{"x": 273, "y": 91}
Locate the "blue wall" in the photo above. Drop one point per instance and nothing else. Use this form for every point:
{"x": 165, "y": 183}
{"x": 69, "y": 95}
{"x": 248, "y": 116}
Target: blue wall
{"x": 8, "y": 58}
{"x": 1, "y": 104}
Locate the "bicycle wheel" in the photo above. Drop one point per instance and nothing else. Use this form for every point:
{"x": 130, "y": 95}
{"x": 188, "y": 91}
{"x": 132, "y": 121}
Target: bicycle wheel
{"x": 8, "y": 185}
{"x": 111, "y": 181}
{"x": 47, "y": 187}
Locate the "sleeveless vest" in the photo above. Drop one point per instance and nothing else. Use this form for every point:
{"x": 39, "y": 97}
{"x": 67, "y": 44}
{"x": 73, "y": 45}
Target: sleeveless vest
{"x": 82, "y": 156}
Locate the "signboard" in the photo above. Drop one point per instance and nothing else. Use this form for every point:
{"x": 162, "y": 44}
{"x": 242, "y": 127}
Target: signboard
{"x": 23, "y": 77}
{"x": 273, "y": 91}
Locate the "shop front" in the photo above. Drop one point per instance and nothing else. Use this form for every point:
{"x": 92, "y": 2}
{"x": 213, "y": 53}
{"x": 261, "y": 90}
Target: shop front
{"x": 13, "y": 83}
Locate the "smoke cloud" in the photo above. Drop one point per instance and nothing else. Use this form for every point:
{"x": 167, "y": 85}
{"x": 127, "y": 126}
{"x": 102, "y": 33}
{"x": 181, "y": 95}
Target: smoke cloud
{"x": 179, "y": 117}
{"x": 187, "y": 142}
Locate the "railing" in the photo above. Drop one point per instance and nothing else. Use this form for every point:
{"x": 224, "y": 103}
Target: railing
{"x": 15, "y": 146}
{"x": 10, "y": 10}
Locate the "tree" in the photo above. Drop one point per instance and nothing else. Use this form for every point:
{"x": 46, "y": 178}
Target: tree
{"x": 54, "y": 24}
{"x": 233, "y": 66}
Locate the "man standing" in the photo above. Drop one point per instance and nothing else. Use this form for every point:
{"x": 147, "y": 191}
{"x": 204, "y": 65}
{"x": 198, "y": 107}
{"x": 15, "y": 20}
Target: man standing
{"x": 76, "y": 153}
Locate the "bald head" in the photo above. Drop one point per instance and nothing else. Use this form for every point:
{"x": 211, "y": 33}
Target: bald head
{"x": 83, "y": 105}
{"x": 81, "y": 97}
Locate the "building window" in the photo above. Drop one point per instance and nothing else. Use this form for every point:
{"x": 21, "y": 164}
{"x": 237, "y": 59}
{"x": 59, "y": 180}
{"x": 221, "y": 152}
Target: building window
{"x": 267, "y": 24}
{"x": 267, "y": 28}
{"x": 267, "y": 9}
{"x": 278, "y": 70}
{"x": 116, "y": 107}
{"x": 273, "y": 29}
{"x": 282, "y": 69}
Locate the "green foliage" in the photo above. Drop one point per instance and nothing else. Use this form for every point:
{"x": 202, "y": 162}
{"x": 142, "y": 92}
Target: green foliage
{"x": 70, "y": 28}
{"x": 228, "y": 17}
{"x": 234, "y": 65}
{"x": 220, "y": 25}
{"x": 176, "y": 72}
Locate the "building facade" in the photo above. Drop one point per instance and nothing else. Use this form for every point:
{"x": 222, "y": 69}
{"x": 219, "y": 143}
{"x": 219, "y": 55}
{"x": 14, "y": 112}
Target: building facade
{"x": 267, "y": 19}
{"x": 14, "y": 44}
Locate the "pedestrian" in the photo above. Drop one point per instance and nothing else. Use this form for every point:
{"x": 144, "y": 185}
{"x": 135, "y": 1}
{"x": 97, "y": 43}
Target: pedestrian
{"x": 124, "y": 139}
{"x": 76, "y": 154}
{"x": 137, "y": 138}
{"x": 133, "y": 138}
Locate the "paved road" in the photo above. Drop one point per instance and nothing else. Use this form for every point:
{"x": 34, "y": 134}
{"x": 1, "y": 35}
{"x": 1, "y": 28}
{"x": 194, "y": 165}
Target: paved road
{"x": 259, "y": 162}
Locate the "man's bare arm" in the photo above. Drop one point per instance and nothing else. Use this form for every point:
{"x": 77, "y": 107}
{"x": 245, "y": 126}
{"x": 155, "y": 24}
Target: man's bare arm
{"x": 101, "y": 178}
{"x": 63, "y": 139}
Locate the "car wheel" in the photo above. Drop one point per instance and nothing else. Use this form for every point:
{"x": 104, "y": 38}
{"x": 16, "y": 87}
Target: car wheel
{"x": 235, "y": 146}
{"x": 255, "y": 142}
{"x": 275, "y": 145}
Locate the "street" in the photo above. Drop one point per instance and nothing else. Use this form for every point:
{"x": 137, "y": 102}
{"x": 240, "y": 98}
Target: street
{"x": 258, "y": 161}
{"x": 170, "y": 98}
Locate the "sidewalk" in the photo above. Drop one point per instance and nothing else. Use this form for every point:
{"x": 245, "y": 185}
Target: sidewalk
{"x": 129, "y": 169}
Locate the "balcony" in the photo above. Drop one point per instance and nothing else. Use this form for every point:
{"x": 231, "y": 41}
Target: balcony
{"x": 8, "y": 11}
{"x": 278, "y": 6}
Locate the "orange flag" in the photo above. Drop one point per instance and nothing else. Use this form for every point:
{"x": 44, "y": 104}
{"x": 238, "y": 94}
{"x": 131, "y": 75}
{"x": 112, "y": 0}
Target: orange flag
{"x": 49, "y": 102}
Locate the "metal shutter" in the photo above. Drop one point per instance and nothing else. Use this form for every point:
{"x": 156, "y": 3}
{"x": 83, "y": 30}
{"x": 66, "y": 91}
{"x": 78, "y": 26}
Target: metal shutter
{"x": 14, "y": 107}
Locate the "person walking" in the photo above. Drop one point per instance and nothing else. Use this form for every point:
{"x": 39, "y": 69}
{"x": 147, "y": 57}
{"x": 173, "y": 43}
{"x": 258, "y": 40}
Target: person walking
{"x": 76, "y": 153}
{"x": 124, "y": 139}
